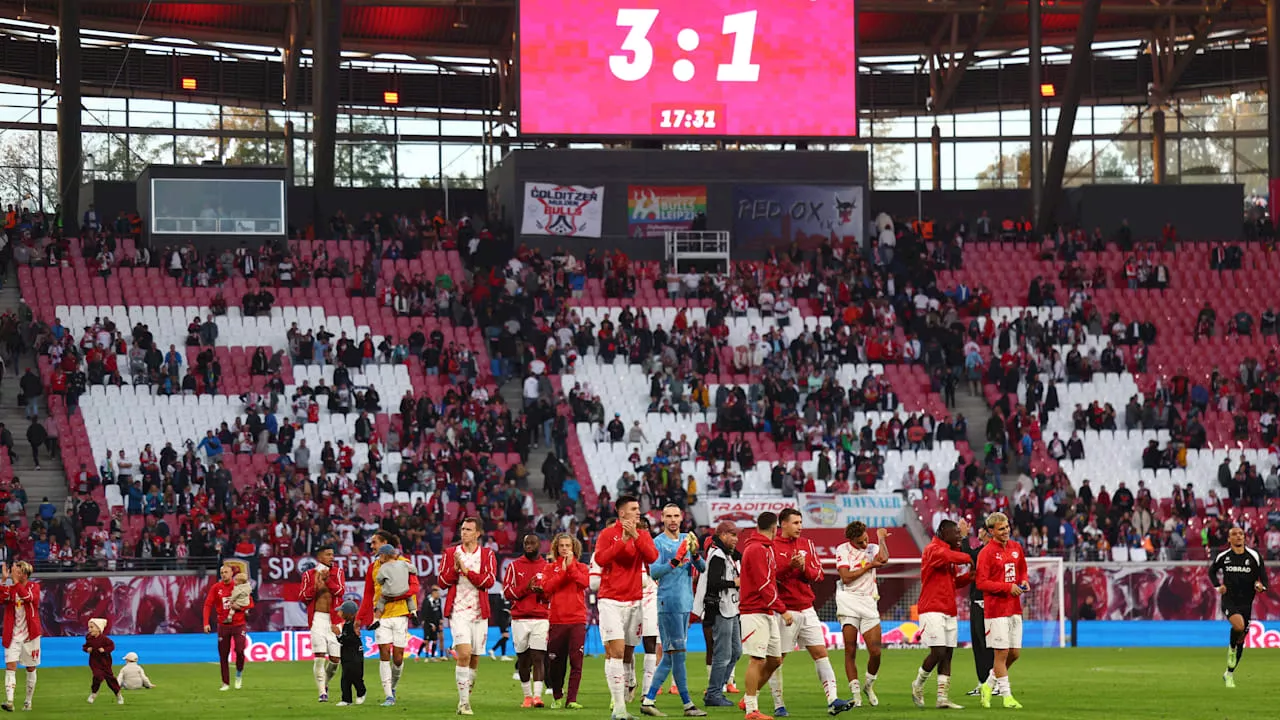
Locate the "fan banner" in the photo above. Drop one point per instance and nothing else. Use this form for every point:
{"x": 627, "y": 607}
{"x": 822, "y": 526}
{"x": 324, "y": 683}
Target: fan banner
{"x": 563, "y": 210}
{"x": 808, "y": 215}
{"x": 655, "y": 210}
{"x": 836, "y": 511}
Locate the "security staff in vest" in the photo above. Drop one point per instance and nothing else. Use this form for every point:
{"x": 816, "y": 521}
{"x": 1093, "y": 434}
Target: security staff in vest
{"x": 983, "y": 656}
{"x": 718, "y": 588}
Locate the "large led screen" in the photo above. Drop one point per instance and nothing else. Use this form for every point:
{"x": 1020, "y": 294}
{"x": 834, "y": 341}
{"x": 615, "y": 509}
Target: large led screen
{"x": 217, "y": 207}
{"x": 739, "y": 68}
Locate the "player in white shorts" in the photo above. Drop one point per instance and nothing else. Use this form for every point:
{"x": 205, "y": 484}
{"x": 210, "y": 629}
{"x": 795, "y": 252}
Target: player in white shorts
{"x": 322, "y": 589}
{"x": 623, "y": 552}
{"x": 798, "y": 567}
{"x": 857, "y": 609}
{"x": 468, "y": 569}
{"x": 21, "y": 601}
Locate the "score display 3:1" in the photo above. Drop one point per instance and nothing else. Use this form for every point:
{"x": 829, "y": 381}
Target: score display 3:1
{"x": 746, "y": 68}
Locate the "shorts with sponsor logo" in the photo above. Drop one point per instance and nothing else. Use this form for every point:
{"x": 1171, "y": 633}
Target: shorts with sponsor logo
{"x": 530, "y": 634}
{"x": 324, "y": 642}
{"x": 857, "y": 611}
{"x": 805, "y": 630}
{"x": 762, "y": 635}
{"x": 24, "y": 652}
{"x": 1004, "y": 633}
{"x": 939, "y": 630}
{"x": 620, "y": 620}
{"x": 392, "y": 631}
{"x": 470, "y": 630}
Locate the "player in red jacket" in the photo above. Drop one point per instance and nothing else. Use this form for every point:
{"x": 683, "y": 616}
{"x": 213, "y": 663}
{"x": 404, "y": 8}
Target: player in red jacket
{"x": 322, "y": 590}
{"x": 762, "y": 612}
{"x": 1002, "y": 578}
{"x": 940, "y": 575}
{"x": 798, "y": 567}
{"x": 217, "y": 604}
{"x": 21, "y": 602}
{"x": 623, "y": 552}
{"x": 468, "y": 570}
{"x": 566, "y": 585}
{"x": 522, "y": 586}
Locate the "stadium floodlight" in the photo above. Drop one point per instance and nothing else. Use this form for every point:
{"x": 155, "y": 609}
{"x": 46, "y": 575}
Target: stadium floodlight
{"x": 391, "y": 97}
{"x": 1048, "y": 90}
{"x": 189, "y": 84}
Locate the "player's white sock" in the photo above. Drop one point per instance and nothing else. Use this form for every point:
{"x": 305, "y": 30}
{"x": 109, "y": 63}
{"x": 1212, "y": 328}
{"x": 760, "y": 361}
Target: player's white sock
{"x": 317, "y": 672}
{"x": 462, "y": 676}
{"x": 871, "y": 679}
{"x": 396, "y": 671}
{"x": 775, "y": 687}
{"x": 1002, "y": 686}
{"x": 854, "y": 690}
{"x": 752, "y": 702}
{"x": 650, "y": 665}
{"x": 471, "y": 678}
{"x": 615, "y": 675}
{"x": 31, "y": 685}
{"x": 991, "y": 678}
{"x": 629, "y": 674}
{"x": 526, "y": 688}
{"x": 538, "y": 687}
{"x": 944, "y": 686}
{"x": 827, "y": 676}
{"x": 10, "y": 682}
{"x": 330, "y": 669}
{"x": 922, "y": 676}
{"x": 384, "y": 674}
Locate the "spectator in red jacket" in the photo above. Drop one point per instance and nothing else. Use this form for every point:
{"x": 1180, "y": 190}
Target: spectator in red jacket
{"x": 566, "y": 585}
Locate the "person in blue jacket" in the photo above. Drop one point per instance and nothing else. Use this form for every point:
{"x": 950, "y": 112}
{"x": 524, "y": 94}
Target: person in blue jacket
{"x": 673, "y": 571}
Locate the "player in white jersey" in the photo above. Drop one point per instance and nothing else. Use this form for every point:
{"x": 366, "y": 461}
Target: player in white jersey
{"x": 857, "y": 595}
{"x": 468, "y": 570}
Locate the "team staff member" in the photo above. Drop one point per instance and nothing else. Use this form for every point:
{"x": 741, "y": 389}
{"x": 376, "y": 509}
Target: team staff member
{"x": 566, "y": 584}
{"x": 983, "y": 656}
{"x": 522, "y": 585}
{"x": 468, "y": 569}
{"x": 322, "y": 590}
{"x": 1002, "y": 578}
{"x": 218, "y": 603}
{"x": 718, "y": 588}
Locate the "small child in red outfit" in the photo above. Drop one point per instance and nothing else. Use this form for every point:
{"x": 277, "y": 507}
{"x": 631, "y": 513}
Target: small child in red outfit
{"x": 100, "y": 647}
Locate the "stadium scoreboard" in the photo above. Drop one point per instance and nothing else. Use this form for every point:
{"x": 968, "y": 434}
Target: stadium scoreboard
{"x": 767, "y": 69}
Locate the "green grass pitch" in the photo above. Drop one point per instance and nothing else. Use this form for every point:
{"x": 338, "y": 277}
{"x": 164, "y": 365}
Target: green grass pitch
{"x": 1067, "y": 684}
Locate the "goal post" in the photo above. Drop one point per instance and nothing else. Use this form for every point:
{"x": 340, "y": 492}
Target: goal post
{"x": 1044, "y": 608}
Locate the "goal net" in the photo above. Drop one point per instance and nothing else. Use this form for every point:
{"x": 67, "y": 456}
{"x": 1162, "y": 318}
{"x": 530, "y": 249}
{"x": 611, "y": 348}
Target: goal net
{"x": 1043, "y": 609}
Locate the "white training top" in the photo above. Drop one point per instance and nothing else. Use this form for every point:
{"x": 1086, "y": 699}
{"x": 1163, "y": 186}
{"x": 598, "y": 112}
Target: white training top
{"x": 466, "y": 603}
{"x": 852, "y": 558}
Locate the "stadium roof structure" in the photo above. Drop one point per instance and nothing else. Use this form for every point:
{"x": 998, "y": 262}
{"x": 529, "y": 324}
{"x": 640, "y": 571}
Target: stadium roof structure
{"x": 485, "y": 28}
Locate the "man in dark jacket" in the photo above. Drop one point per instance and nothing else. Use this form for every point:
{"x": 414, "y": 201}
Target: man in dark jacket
{"x": 983, "y": 656}
{"x": 37, "y": 436}
{"x": 32, "y": 389}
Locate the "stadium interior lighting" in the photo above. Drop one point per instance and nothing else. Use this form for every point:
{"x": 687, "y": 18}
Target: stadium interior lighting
{"x": 188, "y": 83}
{"x": 391, "y": 97}
{"x": 1048, "y": 90}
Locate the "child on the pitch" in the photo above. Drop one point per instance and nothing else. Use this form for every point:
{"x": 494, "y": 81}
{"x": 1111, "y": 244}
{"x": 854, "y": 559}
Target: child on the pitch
{"x": 352, "y": 655}
{"x": 100, "y": 647}
{"x": 132, "y": 676}
{"x": 239, "y": 598}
